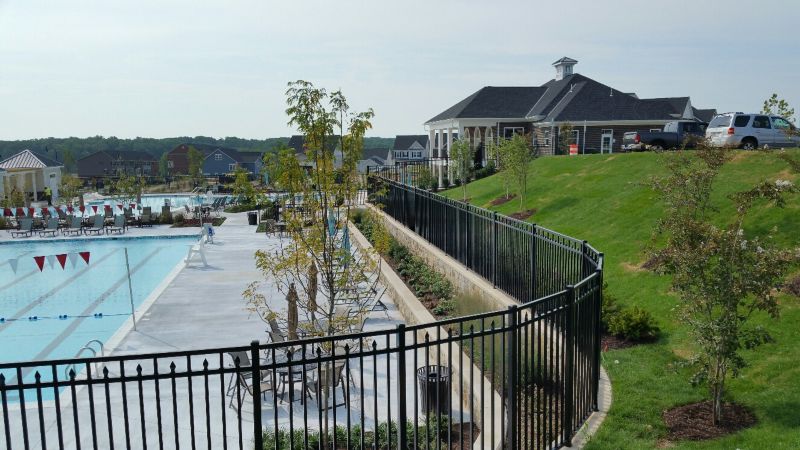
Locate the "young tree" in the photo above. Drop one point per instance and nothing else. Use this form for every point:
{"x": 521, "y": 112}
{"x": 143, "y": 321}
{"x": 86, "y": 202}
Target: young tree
{"x": 722, "y": 276}
{"x": 518, "y": 156}
{"x": 317, "y": 232}
{"x": 780, "y": 107}
{"x": 163, "y": 166}
{"x": 242, "y": 186}
{"x": 462, "y": 156}
{"x": 426, "y": 179}
{"x": 128, "y": 189}
{"x": 69, "y": 188}
{"x": 195, "y": 165}
{"x": 564, "y": 138}
{"x": 499, "y": 152}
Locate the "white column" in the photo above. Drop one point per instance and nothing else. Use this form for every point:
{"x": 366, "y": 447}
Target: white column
{"x": 33, "y": 183}
{"x": 431, "y": 135}
{"x": 449, "y": 149}
{"x": 439, "y": 137}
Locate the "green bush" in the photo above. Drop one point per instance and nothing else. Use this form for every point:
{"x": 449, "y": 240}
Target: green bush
{"x": 179, "y": 218}
{"x": 165, "y": 219}
{"x": 634, "y": 324}
{"x": 486, "y": 171}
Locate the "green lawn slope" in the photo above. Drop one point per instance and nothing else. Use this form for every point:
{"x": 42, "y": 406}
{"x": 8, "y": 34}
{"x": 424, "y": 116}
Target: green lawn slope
{"x": 605, "y": 200}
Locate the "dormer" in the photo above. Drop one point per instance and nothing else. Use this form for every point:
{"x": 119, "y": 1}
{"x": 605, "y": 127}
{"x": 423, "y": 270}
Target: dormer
{"x": 564, "y": 67}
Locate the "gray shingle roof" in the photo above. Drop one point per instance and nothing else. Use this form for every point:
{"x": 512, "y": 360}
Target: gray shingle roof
{"x": 27, "y": 159}
{"x": 405, "y": 141}
{"x": 369, "y": 153}
{"x": 494, "y": 102}
{"x": 704, "y": 115}
{"x": 573, "y": 98}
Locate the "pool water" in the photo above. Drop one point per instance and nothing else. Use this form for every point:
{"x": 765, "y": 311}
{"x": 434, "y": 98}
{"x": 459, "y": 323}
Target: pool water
{"x": 51, "y": 314}
{"x": 157, "y": 201}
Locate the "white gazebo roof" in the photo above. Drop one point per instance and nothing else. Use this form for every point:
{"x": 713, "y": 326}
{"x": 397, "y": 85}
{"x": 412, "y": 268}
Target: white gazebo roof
{"x": 27, "y": 159}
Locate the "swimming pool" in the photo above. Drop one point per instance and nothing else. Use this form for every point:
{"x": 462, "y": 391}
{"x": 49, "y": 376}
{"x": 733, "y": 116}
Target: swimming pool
{"x": 156, "y": 201}
{"x": 52, "y": 313}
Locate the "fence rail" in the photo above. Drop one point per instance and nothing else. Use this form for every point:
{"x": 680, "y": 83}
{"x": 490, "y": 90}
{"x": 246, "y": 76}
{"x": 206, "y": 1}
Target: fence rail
{"x": 526, "y": 377}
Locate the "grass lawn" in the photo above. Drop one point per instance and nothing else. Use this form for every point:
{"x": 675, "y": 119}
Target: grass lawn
{"x": 603, "y": 199}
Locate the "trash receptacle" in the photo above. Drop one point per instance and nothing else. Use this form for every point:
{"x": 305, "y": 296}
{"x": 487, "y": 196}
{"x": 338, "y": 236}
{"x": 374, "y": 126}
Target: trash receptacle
{"x": 252, "y": 217}
{"x": 434, "y": 388}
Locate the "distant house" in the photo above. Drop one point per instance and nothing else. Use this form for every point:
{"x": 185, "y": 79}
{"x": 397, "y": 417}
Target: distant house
{"x": 178, "y": 160}
{"x": 597, "y": 115}
{"x": 106, "y": 163}
{"x": 225, "y": 160}
{"x": 30, "y": 173}
{"x": 409, "y": 148}
{"x": 373, "y": 157}
{"x": 298, "y": 144}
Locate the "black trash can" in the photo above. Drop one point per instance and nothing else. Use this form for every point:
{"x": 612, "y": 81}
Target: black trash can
{"x": 252, "y": 217}
{"x": 434, "y": 384}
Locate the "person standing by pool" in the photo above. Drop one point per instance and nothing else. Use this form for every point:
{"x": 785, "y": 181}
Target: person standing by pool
{"x": 48, "y": 194}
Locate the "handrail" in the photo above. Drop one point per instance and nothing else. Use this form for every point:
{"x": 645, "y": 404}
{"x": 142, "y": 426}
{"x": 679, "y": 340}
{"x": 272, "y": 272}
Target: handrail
{"x": 86, "y": 347}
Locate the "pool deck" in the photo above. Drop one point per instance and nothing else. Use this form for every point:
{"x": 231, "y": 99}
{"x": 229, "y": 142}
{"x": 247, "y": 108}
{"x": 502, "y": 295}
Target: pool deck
{"x": 202, "y": 307}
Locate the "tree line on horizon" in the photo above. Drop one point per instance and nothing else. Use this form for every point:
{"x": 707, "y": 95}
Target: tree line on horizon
{"x": 68, "y": 150}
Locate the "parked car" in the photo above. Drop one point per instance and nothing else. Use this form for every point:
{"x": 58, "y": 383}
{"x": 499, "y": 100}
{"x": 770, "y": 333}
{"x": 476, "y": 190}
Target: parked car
{"x": 750, "y": 131}
{"x": 673, "y": 135}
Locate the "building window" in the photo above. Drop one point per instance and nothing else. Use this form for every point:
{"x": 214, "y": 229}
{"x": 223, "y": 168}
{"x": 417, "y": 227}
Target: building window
{"x": 232, "y": 167}
{"x": 546, "y": 137}
{"x": 509, "y": 132}
{"x": 170, "y": 164}
{"x": 655, "y": 130}
{"x": 218, "y": 157}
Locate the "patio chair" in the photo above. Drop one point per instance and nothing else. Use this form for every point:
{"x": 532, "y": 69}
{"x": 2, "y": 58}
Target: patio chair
{"x": 62, "y": 217}
{"x": 331, "y": 373}
{"x": 25, "y": 228}
{"x": 130, "y": 219}
{"x": 146, "y": 219}
{"x": 118, "y": 226}
{"x": 75, "y": 227}
{"x": 51, "y": 228}
{"x": 195, "y": 251}
{"x": 244, "y": 378}
{"x": 98, "y": 225}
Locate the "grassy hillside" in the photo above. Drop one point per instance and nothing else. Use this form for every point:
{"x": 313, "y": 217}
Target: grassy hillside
{"x": 603, "y": 199}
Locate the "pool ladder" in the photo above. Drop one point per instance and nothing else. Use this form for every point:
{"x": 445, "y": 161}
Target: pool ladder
{"x": 88, "y": 347}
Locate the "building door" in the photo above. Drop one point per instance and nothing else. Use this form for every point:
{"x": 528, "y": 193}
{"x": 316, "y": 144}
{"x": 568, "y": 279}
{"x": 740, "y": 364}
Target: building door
{"x": 607, "y": 141}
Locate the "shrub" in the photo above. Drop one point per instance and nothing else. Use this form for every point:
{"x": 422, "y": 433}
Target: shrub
{"x": 634, "y": 324}
{"x": 486, "y": 171}
{"x": 179, "y": 218}
{"x": 165, "y": 219}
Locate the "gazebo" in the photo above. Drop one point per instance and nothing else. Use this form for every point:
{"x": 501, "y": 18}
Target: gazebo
{"x": 30, "y": 173}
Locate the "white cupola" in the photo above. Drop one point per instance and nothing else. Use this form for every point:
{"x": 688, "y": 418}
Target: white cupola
{"x": 564, "y": 67}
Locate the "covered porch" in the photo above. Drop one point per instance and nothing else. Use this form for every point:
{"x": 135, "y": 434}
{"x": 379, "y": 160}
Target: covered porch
{"x": 30, "y": 174}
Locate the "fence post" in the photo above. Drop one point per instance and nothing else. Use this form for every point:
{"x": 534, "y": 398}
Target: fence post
{"x": 533, "y": 263}
{"x": 513, "y": 366}
{"x": 494, "y": 248}
{"x": 569, "y": 367}
{"x": 255, "y": 364}
{"x": 402, "y": 438}
{"x": 598, "y": 302}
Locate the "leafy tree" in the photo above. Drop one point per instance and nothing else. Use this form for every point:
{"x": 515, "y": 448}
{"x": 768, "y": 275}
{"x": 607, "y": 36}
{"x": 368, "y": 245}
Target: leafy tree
{"x": 242, "y": 186}
{"x": 565, "y": 137}
{"x": 779, "y": 107}
{"x": 128, "y": 189}
{"x": 195, "y": 165}
{"x": 163, "y": 166}
{"x": 518, "y": 156}
{"x": 499, "y": 152}
{"x": 69, "y": 188}
{"x": 462, "y": 155}
{"x": 426, "y": 179}
{"x": 68, "y": 161}
{"x": 316, "y": 232}
{"x": 722, "y": 276}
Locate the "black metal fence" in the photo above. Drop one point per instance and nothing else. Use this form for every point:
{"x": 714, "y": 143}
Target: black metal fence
{"x": 524, "y": 378}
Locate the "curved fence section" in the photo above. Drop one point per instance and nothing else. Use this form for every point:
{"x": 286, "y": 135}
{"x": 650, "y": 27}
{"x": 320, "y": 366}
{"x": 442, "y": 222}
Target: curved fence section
{"x": 526, "y": 377}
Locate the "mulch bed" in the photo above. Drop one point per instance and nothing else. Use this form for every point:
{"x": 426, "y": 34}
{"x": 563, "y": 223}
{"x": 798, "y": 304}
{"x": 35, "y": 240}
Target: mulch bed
{"x": 609, "y": 342}
{"x": 522, "y": 215}
{"x": 693, "y": 422}
{"x": 502, "y": 199}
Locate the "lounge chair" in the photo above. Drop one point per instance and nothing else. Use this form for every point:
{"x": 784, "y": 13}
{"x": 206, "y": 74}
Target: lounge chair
{"x": 75, "y": 227}
{"x": 197, "y": 250}
{"x": 98, "y": 225}
{"x": 51, "y": 228}
{"x": 25, "y": 228}
{"x": 146, "y": 219}
{"x": 118, "y": 226}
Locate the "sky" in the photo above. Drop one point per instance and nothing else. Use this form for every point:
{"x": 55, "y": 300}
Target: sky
{"x": 162, "y": 68}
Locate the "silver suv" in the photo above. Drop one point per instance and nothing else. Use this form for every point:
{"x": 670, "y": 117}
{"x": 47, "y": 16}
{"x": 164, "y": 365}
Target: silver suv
{"x": 750, "y": 131}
